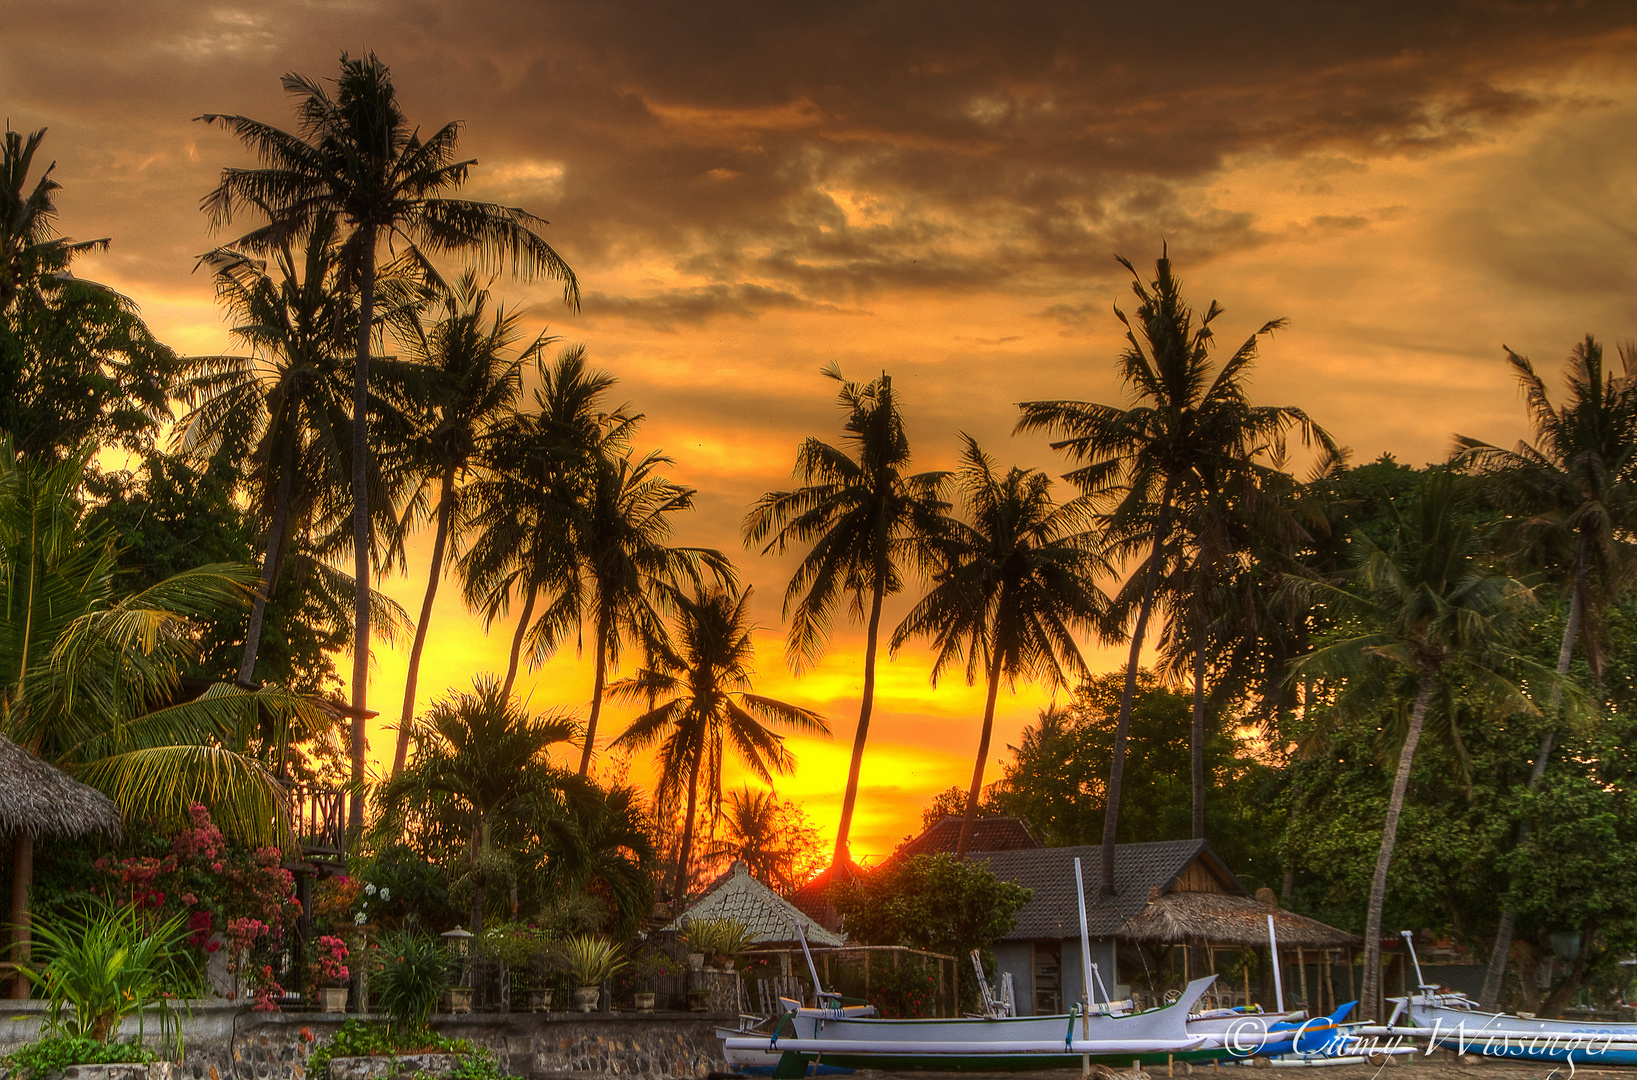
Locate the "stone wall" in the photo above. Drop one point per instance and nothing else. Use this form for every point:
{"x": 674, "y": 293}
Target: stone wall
{"x": 230, "y": 1042}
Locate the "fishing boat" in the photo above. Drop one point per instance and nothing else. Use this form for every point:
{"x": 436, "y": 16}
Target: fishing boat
{"x": 985, "y": 1043}
{"x": 1457, "y": 1022}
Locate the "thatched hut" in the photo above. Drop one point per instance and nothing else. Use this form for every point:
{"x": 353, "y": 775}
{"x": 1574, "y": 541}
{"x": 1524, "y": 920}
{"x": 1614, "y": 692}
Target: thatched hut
{"x": 38, "y": 799}
{"x": 1205, "y": 922}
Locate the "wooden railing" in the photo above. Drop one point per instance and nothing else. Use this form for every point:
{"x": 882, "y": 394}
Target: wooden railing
{"x": 318, "y": 817}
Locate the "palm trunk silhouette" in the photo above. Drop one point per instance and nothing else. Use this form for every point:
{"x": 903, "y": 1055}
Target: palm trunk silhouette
{"x": 360, "y": 526}
{"x": 680, "y": 882}
{"x": 857, "y": 765}
{"x": 269, "y": 569}
{"x": 1122, "y": 729}
{"x": 971, "y": 819}
{"x": 596, "y": 692}
{"x": 517, "y": 642}
{"x": 446, "y": 499}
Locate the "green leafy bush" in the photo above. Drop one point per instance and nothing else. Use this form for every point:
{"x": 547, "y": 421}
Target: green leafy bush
{"x": 414, "y": 976}
{"x": 358, "y": 1038}
{"x": 37, "y": 1060}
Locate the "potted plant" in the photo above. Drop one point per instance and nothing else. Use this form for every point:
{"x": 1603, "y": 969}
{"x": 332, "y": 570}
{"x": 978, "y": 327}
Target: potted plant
{"x": 592, "y": 958}
{"x": 699, "y": 938}
{"x": 545, "y": 964}
{"x": 732, "y": 938}
{"x": 332, "y": 974}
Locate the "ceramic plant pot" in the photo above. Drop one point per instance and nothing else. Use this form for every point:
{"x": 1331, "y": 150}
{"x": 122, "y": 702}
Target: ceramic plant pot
{"x": 585, "y": 998}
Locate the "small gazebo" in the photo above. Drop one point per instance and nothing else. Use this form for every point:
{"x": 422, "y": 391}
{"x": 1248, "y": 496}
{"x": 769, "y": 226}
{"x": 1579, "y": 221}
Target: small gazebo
{"x": 38, "y": 799}
{"x": 1222, "y": 921}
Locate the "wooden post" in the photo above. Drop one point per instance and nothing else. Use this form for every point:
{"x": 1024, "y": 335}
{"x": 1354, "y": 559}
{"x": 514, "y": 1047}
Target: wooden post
{"x": 1301, "y": 979}
{"x": 1244, "y": 958}
{"x": 895, "y": 959}
{"x": 1330, "y": 977}
{"x": 829, "y": 982}
{"x": 22, "y": 869}
{"x": 1350, "y": 992}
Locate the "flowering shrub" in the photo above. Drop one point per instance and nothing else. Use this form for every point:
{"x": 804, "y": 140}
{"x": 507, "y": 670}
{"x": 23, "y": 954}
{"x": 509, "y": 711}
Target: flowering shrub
{"x": 332, "y": 960}
{"x": 222, "y": 894}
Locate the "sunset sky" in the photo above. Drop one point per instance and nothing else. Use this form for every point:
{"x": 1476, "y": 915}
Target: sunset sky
{"x": 751, "y": 191}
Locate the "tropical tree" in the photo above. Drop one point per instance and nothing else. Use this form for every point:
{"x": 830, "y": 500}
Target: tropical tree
{"x": 468, "y": 386}
{"x": 865, "y": 520}
{"x": 1574, "y": 495}
{"x": 700, "y": 704}
{"x": 90, "y": 677}
{"x": 481, "y": 763}
{"x": 1013, "y": 587}
{"x": 357, "y": 157}
{"x": 1150, "y": 464}
{"x": 600, "y": 843}
{"x": 1423, "y": 609}
{"x": 772, "y": 838}
{"x": 282, "y": 412}
{"x": 76, "y": 360}
{"x": 534, "y": 466}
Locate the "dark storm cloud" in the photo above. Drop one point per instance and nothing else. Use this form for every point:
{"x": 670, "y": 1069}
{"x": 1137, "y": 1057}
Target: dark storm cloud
{"x": 823, "y": 152}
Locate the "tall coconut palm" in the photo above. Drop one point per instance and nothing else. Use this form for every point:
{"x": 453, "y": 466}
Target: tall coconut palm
{"x": 356, "y": 156}
{"x": 1424, "y": 604}
{"x": 469, "y": 387}
{"x": 699, "y": 704}
{"x": 1574, "y": 492}
{"x": 1015, "y": 585}
{"x": 865, "y": 520}
{"x": 772, "y": 838}
{"x": 522, "y": 502}
{"x": 1148, "y": 463}
{"x": 482, "y": 758}
{"x": 283, "y": 410}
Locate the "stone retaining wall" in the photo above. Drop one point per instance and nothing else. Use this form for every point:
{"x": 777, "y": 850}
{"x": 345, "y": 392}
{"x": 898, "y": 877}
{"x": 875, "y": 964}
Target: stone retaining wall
{"x": 230, "y": 1042}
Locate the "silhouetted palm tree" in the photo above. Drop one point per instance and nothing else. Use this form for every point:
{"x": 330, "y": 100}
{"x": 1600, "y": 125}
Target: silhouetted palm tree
{"x": 357, "y": 157}
{"x": 1575, "y": 499}
{"x": 481, "y": 757}
{"x": 30, "y": 250}
{"x": 469, "y": 387}
{"x": 1014, "y": 586}
{"x": 1150, "y": 463}
{"x": 700, "y": 704}
{"x": 865, "y": 520}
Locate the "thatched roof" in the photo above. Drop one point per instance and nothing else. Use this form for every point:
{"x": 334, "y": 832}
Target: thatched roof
{"x": 1223, "y": 919}
{"x": 42, "y": 800}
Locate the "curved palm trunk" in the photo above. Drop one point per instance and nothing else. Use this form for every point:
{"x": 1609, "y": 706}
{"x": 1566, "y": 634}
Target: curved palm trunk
{"x": 1122, "y": 729}
{"x": 857, "y": 765}
{"x": 680, "y": 882}
{"x": 1370, "y": 1000}
{"x": 446, "y": 499}
{"x": 971, "y": 819}
{"x": 1197, "y": 737}
{"x": 517, "y": 642}
{"x": 596, "y": 694}
{"x": 1495, "y": 976}
{"x": 360, "y": 527}
{"x": 269, "y": 569}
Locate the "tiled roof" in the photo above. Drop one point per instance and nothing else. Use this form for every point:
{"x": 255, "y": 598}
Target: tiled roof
{"x": 1053, "y": 913}
{"x": 769, "y": 917}
{"x": 811, "y": 899}
{"x": 988, "y": 834}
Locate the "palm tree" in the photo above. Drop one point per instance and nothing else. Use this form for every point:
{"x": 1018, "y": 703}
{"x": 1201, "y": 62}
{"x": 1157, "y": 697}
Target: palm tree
{"x": 29, "y": 250}
{"x": 1420, "y": 606}
{"x": 90, "y": 679}
{"x": 470, "y": 388}
{"x": 1573, "y": 492}
{"x": 283, "y": 409}
{"x": 1149, "y": 463}
{"x": 481, "y": 758}
{"x": 357, "y": 157}
{"x": 534, "y": 467}
{"x": 1014, "y": 586}
{"x": 772, "y": 838}
{"x": 699, "y": 703}
{"x": 866, "y": 520}
{"x": 599, "y": 841}
{"x": 624, "y": 575}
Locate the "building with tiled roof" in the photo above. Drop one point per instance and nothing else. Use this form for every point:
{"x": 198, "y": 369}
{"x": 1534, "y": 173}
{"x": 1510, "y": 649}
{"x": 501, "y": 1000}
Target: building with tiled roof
{"x": 770, "y": 918}
{"x": 988, "y": 834}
